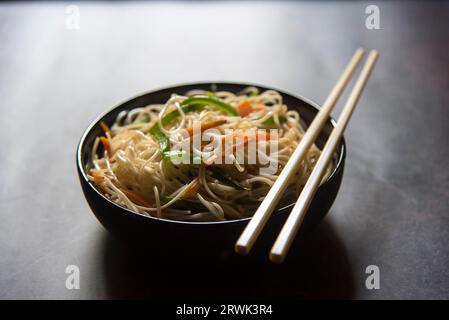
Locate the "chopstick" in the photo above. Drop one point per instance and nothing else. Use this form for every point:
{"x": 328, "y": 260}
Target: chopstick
{"x": 291, "y": 226}
{"x": 260, "y": 218}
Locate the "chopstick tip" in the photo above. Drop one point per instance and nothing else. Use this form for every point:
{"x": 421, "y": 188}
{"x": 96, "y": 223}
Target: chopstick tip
{"x": 374, "y": 53}
{"x": 241, "y": 249}
{"x": 276, "y": 258}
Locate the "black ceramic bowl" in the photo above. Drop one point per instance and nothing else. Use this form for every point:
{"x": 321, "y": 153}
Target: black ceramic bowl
{"x": 200, "y": 239}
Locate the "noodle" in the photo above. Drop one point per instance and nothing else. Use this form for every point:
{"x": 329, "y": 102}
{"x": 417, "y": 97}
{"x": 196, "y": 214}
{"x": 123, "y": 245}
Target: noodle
{"x": 139, "y": 173}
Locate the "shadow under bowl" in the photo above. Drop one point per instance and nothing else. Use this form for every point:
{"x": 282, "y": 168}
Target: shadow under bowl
{"x": 200, "y": 239}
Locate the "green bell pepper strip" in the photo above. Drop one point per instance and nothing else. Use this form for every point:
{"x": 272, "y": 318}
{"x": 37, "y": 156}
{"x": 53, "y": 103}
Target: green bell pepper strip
{"x": 181, "y": 155}
{"x": 254, "y": 93}
{"x": 211, "y": 101}
{"x": 164, "y": 143}
{"x": 184, "y": 204}
{"x": 210, "y": 94}
{"x": 195, "y": 103}
{"x": 269, "y": 123}
{"x": 172, "y": 116}
{"x": 224, "y": 177}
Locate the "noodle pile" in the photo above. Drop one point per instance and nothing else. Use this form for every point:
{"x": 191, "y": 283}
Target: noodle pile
{"x": 131, "y": 169}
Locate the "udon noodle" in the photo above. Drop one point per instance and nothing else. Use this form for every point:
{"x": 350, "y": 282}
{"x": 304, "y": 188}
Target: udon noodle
{"x": 133, "y": 162}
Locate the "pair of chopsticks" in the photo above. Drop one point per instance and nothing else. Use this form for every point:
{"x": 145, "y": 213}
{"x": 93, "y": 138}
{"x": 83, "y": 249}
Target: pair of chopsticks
{"x": 291, "y": 226}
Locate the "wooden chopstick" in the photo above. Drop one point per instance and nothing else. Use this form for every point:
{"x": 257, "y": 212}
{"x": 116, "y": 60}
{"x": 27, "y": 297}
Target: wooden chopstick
{"x": 291, "y": 226}
{"x": 260, "y": 218}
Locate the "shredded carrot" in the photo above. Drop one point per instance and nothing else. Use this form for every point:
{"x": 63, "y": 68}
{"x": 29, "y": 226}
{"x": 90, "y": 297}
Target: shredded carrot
{"x": 191, "y": 189}
{"x": 136, "y": 198}
{"x": 259, "y": 135}
{"x": 96, "y": 175}
{"x": 245, "y": 108}
{"x": 105, "y": 128}
{"x": 106, "y": 145}
{"x": 207, "y": 125}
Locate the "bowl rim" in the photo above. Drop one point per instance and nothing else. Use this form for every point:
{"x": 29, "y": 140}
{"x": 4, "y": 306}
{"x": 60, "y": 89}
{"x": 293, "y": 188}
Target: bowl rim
{"x": 281, "y": 210}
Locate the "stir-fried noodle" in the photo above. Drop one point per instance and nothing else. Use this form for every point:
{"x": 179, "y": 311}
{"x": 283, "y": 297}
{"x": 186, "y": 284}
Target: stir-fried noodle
{"x": 135, "y": 162}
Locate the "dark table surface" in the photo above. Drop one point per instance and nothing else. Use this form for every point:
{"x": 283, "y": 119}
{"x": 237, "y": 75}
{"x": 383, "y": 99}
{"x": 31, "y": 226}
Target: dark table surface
{"x": 393, "y": 206}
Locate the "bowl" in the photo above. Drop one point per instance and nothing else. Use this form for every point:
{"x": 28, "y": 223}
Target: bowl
{"x": 200, "y": 239}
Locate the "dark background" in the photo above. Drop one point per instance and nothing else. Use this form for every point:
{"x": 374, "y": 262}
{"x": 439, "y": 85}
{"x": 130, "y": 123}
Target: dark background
{"x": 391, "y": 211}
